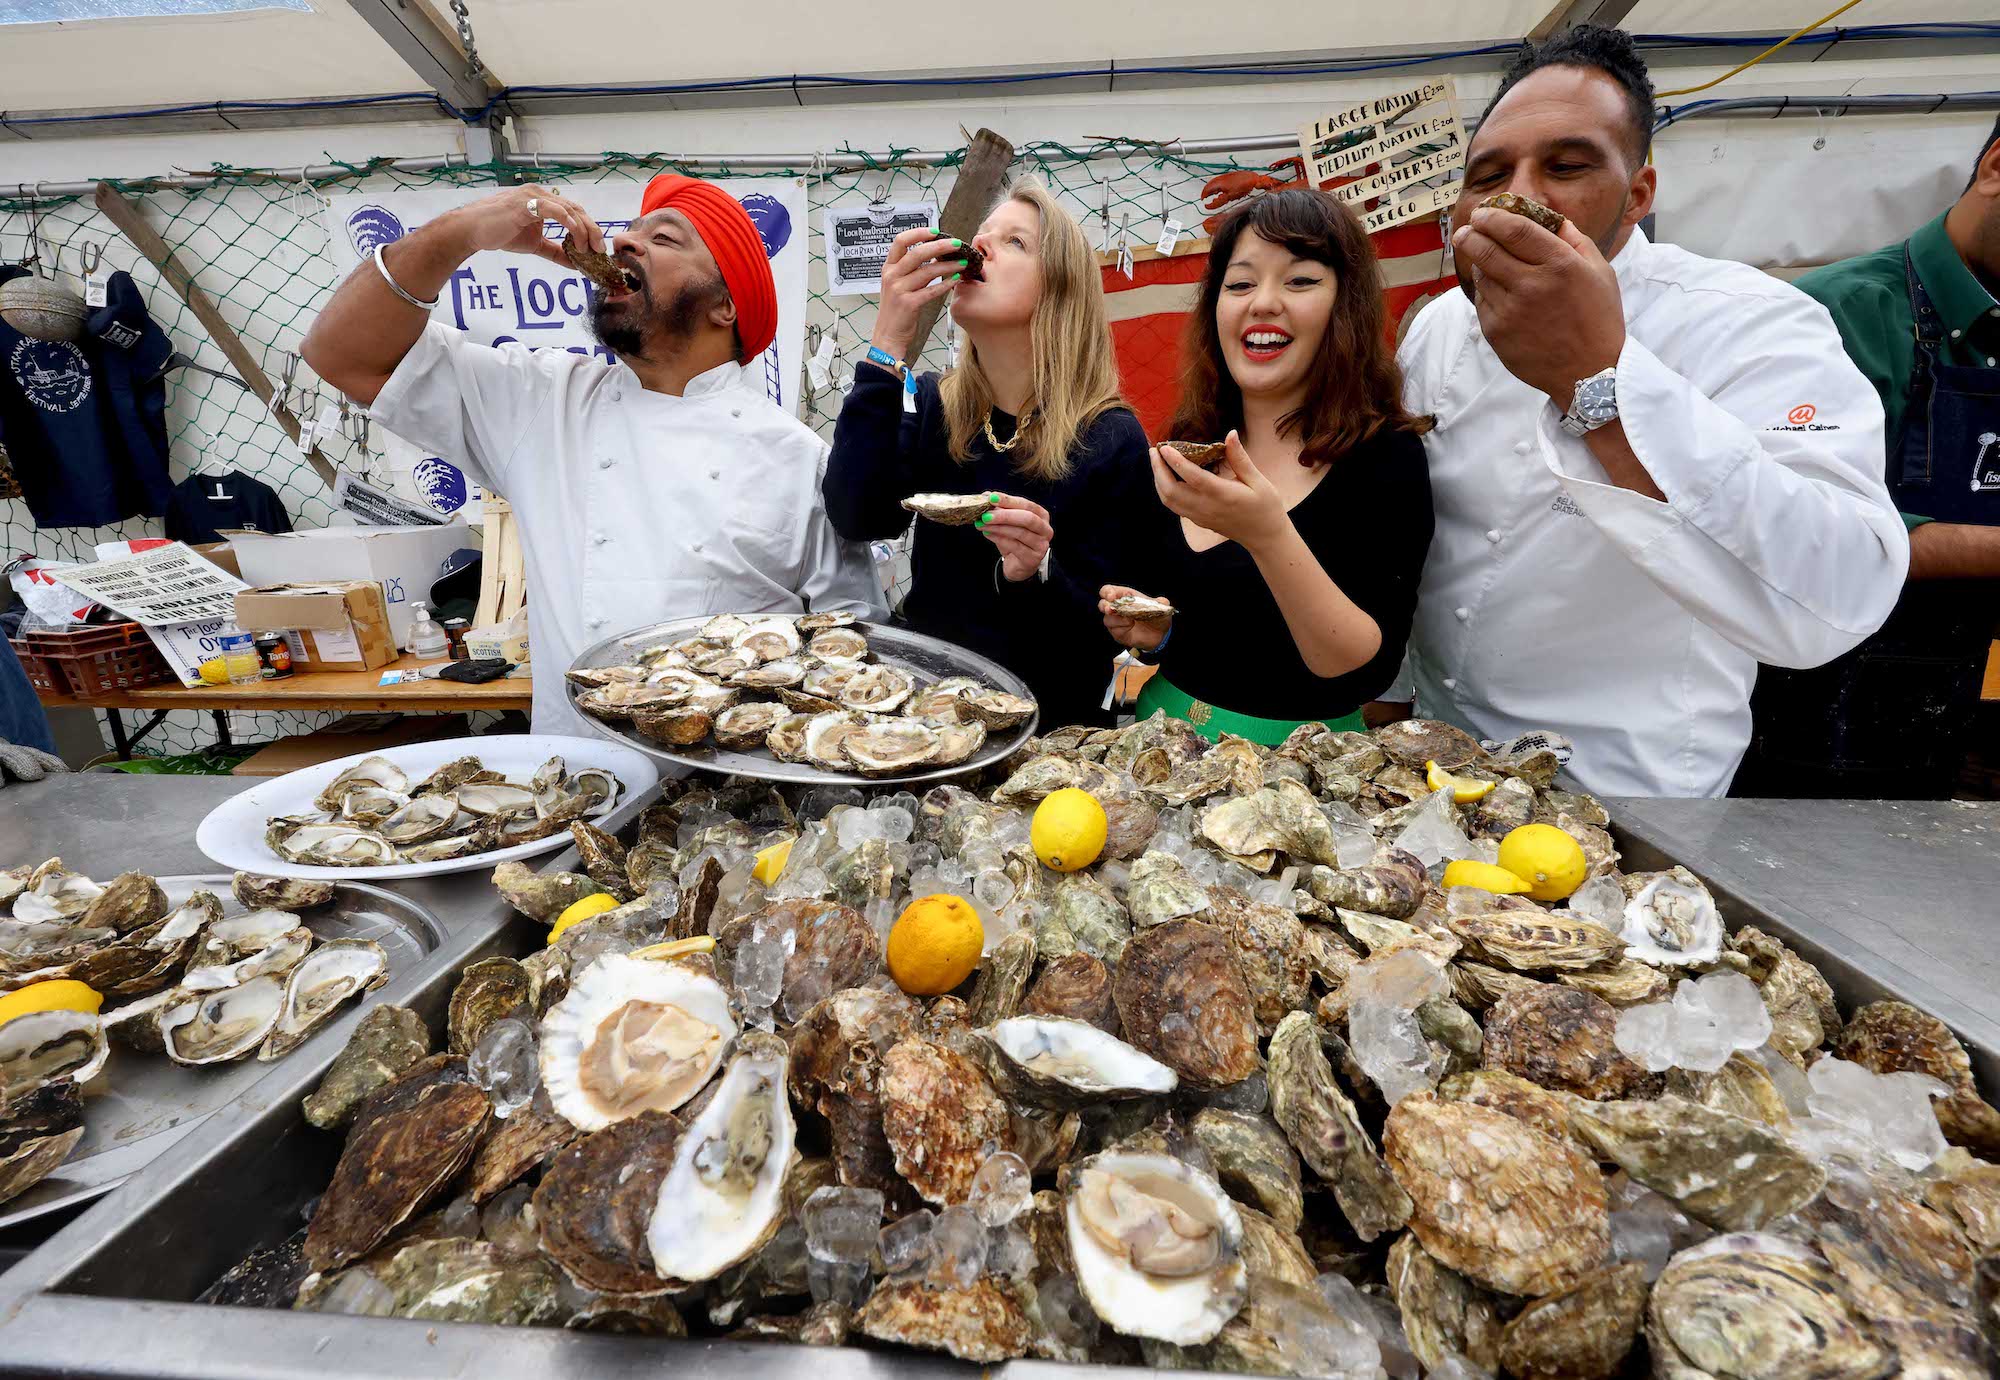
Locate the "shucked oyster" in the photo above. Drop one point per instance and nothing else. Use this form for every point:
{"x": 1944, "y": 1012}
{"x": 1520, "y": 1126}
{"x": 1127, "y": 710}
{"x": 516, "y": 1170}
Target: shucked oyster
{"x": 896, "y": 745}
{"x": 323, "y": 981}
{"x": 1157, "y": 1246}
{"x": 1050, "y": 1062}
{"x": 1140, "y": 608}
{"x": 953, "y": 510}
{"x": 1549, "y": 220}
{"x": 1671, "y": 920}
{"x": 723, "y": 1195}
{"x": 279, "y": 893}
{"x": 633, "y": 1035}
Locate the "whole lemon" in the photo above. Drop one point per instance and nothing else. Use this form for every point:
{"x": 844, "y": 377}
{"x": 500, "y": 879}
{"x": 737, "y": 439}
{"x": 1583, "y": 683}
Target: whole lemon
{"x": 935, "y": 944}
{"x": 57, "y": 994}
{"x": 1546, "y": 858}
{"x": 1485, "y": 876}
{"x": 594, "y": 904}
{"x": 1068, "y": 830}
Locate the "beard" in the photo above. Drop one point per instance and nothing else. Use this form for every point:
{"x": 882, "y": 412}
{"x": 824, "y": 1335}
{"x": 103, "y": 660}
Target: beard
{"x": 632, "y": 325}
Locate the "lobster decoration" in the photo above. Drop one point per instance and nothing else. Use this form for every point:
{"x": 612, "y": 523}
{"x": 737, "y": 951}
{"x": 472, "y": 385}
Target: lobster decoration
{"x": 1224, "y": 192}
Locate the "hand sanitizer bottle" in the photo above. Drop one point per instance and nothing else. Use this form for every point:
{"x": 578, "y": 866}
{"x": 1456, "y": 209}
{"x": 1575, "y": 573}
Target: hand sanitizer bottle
{"x": 427, "y": 639}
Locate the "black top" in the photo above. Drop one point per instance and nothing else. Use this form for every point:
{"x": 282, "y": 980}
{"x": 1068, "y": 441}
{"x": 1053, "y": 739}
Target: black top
{"x": 195, "y": 514}
{"x": 1048, "y": 634}
{"x": 1368, "y": 523}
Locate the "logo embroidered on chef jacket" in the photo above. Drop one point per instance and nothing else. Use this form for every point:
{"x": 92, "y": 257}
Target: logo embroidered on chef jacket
{"x": 1566, "y": 505}
{"x": 1802, "y": 414}
{"x": 53, "y": 374}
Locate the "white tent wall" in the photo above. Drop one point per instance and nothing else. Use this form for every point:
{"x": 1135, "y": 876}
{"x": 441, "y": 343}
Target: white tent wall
{"x": 1755, "y": 189}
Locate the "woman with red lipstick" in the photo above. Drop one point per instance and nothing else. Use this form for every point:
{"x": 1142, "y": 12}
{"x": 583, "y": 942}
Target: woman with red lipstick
{"x": 1031, "y": 416}
{"x": 1292, "y": 566}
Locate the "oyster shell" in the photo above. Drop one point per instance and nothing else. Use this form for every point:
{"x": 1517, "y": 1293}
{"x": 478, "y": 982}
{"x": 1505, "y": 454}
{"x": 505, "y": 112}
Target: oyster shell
{"x": 455, "y": 1279}
{"x": 1141, "y": 609}
{"x": 1323, "y": 1127}
{"x": 388, "y": 1040}
{"x": 1077, "y": 986}
{"x": 956, "y": 743}
{"x": 838, "y": 644}
{"x": 1494, "y": 1199}
{"x": 885, "y": 749}
{"x": 1892, "y": 1036}
{"x": 368, "y": 806}
{"x": 771, "y": 675}
{"x": 1003, "y": 979}
{"x": 604, "y": 860}
{"x": 1271, "y": 947}
{"x": 541, "y": 897}
{"x": 836, "y": 1070}
{"x": 996, "y": 710}
{"x": 744, "y": 727}
{"x": 1443, "y": 1312}
{"x": 213, "y": 1027}
{"x": 378, "y": 772}
{"x": 1182, "y": 998}
{"x": 1414, "y": 743}
{"x": 787, "y": 737}
{"x": 1276, "y": 819}
{"x": 1157, "y": 1246}
{"x": 953, "y": 510}
{"x": 409, "y": 1140}
{"x": 336, "y": 845}
{"x": 1551, "y": 221}
{"x": 1583, "y": 1332}
{"x": 515, "y": 1146}
{"x": 1626, "y": 983}
{"x": 256, "y": 892}
{"x": 323, "y": 981}
{"x": 1562, "y": 1039}
{"x": 683, "y": 726}
{"x": 419, "y": 820}
{"x": 1083, "y": 917}
{"x": 632, "y": 1036}
{"x": 1273, "y": 1252}
{"x": 768, "y": 639}
{"x": 1528, "y": 1102}
{"x": 597, "y": 1199}
{"x": 875, "y": 689}
{"x": 1671, "y": 920}
{"x": 1907, "y": 1270}
{"x": 824, "y": 735}
{"x": 1045, "y": 1061}
{"x": 941, "y": 1117}
{"x": 1161, "y": 889}
{"x": 1752, "y": 1312}
{"x": 829, "y": 947}
{"x": 982, "y": 1322}
{"x": 488, "y": 990}
{"x": 38, "y": 1130}
{"x": 1729, "y": 1172}
{"x": 1532, "y": 941}
{"x": 1253, "y": 1162}
{"x": 1393, "y": 884}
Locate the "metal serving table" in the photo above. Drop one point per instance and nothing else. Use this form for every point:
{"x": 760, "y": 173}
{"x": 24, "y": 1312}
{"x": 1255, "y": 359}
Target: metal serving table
{"x": 108, "y": 1296}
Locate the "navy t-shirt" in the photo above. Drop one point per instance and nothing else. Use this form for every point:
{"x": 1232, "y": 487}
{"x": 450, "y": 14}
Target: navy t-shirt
{"x": 195, "y": 512}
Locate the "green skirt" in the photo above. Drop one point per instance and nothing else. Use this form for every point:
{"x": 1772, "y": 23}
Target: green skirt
{"x": 1211, "y": 721}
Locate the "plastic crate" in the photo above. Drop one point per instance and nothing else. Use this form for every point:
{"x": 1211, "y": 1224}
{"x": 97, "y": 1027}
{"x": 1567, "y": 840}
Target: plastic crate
{"x": 42, "y": 673}
{"x": 97, "y": 661}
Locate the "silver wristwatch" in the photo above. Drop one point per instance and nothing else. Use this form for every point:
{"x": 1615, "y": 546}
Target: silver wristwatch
{"x": 1595, "y": 403}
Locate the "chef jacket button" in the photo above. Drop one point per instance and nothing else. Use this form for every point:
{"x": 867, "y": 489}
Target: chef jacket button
{"x": 1462, "y": 613}
{"x": 736, "y": 412}
{"x": 597, "y": 622}
{"x": 606, "y": 463}
{"x": 1450, "y": 684}
{"x": 1994, "y": 312}
{"x": 600, "y": 538}
{"x": 697, "y": 546}
{"x": 715, "y": 474}
{"x": 1520, "y": 448}
{"x": 1493, "y": 534}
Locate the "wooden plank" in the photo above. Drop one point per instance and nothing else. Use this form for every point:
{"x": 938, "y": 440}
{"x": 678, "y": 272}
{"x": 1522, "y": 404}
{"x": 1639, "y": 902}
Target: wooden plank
{"x": 1990, "y": 690}
{"x": 987, "y": 159}
{"x": 312, "y": 690}
{"x": 124, "y": 213}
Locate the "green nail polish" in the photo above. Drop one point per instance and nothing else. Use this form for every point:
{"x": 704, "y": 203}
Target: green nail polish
{"x": 956, "y": 276}
{"x": 959, "y": 243}
{"x": 993, "y": 498}
{"x": 981, "y": 520}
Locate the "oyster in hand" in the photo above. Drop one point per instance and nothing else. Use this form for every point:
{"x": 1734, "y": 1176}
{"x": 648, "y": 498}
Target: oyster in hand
{"x": 1141, "y": 609}
{"x": 1551, "y": 221}
{"x": 602, "y": 270}
{"x": 952, "y": 510}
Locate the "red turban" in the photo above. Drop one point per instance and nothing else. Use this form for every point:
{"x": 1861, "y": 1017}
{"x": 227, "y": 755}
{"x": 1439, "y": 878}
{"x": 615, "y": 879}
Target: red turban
{"x": 725, "y": 227}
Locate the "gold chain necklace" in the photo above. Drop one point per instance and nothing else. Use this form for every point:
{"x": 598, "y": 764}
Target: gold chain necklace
{"x": 1020, "y": 428}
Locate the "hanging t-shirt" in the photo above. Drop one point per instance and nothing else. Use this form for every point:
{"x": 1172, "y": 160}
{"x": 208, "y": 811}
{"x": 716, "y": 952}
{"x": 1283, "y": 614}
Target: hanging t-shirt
{"x": 204, "y": 506}
{"x": 56, "y": 422}
{"x": 132, "y": 354}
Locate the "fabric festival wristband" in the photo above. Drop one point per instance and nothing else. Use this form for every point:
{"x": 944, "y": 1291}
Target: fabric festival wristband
{"x": 878, "y": 355}
{"x": 419, "y": 303}
{"x": 1152, "y": 658}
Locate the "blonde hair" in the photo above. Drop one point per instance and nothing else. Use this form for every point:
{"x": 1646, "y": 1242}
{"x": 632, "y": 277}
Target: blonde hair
{"x": 1074, "y": 372}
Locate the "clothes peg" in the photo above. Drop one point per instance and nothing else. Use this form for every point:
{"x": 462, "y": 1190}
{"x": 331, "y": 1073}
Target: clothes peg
{"x": 1104, "y": 218}
{"x": 92, "y": 256}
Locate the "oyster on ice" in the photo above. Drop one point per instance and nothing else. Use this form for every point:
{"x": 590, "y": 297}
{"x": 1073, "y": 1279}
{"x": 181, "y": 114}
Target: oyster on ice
{"x": 388, "y": 1040}
{"x": 1323, "y": 1127}
{"x": 1047, "y": 1061}
{"x": 633, "y": 1035}
{"x": 596, "y": 1202}
{"x": 1279, "y": 819}
{"x": 723, "y": 1194}
{"x": 1562, "y": 1039}
{"x": 1727, "y": 1171}
{"x": 1892, "y": 1036}
{"x": 1182, "y": 998}
{"x": 1764, "y": 1308}
{"x": 1580, "y": 1333}
{"x": 982, "y": 1322}
{"x": 941, "y": 1116}
{"x": 1671, "y": 920}
{"x": 1157, "y": 1246}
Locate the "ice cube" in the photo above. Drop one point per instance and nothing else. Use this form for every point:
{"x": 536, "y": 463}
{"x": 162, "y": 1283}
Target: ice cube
{"x": 1738, "y": 1007}
{"x": 906, "y": 1244}
{"x": 1433, "y": 834}
{"x": 508, "y": 1221}
{"x": 1065, "y": 1313}
{"x": 505, "y": 1064}
{"x": 893, "y": 823}
{"x": 760, "y": 967}
{"x": 842, "y": 1224}
{"x": 1383, "y": 1029}
{"x": 1010, "y": 1253}
{"x": 820, "y": 801}
{"x": 839, "y": 1282}
{"x": 1452, "y": 1366}
{"x": 357, "y": 1291}
{"x": 1600, "y": 901}
{"x": 459, "y": 1218}
{"x": 1001, "y": 1190}
{"x": 958, "y": 1247}
{"x": 993, "y": 890}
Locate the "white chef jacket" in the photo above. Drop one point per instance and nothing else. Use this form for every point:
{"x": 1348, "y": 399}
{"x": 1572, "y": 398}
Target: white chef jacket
{"x": 633, "y": 506}
{"x": 1554, "y": 599}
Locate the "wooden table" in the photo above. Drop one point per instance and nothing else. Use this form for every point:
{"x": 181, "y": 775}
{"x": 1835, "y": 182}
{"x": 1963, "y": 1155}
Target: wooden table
{"x": 349, "y": 691}
{"x": 1991, "y": 689}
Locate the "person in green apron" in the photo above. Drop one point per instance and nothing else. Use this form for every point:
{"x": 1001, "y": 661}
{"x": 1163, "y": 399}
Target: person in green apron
{"x": 1890, "y": 720}
{"x": 1291, "y": 564}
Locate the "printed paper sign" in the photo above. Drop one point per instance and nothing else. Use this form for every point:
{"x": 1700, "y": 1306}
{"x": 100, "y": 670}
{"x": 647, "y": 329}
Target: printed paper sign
{"x": 378, "y": 507}
{"x": 169, "y": 584}
{"x": 497, "y": 297}
{"x": 858, "y": 238}
{"x": 1405, "y": 149}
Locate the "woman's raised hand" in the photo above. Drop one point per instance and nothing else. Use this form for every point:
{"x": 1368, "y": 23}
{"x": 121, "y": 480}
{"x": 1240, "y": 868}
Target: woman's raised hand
{"x": 921, "y": 268}
{"x": 1236, "y": 502}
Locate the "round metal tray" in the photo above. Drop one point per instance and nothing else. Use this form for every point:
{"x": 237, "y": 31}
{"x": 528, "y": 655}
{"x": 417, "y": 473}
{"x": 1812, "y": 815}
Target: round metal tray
{"x": 929, "y": 659}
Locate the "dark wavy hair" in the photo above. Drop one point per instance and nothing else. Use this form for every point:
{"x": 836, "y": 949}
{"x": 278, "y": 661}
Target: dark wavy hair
{"x": 1355, "y": 387}
{"x": 1597, "y": 49}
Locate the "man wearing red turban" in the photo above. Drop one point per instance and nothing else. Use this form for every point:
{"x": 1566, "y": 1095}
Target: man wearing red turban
{"x": 656, "y": 486}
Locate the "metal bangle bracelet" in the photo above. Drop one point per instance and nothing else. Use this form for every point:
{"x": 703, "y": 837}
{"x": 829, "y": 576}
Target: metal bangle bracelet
{"x": 396, "y": 287}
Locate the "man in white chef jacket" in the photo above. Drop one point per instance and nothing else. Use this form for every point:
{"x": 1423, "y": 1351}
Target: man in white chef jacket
{"x": 659, "y": 486}
{"x": 1651, "y": 470}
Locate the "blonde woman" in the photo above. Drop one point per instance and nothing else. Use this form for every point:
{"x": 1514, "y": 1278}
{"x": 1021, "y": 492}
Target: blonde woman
{"x": 1031, "y": 416}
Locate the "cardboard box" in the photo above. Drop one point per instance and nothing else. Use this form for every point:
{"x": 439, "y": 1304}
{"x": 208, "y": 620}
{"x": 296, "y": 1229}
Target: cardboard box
{"x": 218, "y": 554}
{"x": 342, "y": 625}
{"x": 507, "y": 640}
{"x": 403, "y": 560}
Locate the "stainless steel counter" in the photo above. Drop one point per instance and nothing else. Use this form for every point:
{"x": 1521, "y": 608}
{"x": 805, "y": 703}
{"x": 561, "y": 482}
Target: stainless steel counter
{"x": 1906, "y": 891}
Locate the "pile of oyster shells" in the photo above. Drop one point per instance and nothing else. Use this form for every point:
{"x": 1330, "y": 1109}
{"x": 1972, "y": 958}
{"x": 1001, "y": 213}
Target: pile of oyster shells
{"x": 805, "y": 689}
{"x": 188, "y": 981}
{"x": 372, "y": 814}
{"x": 1298, "y": 1118}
